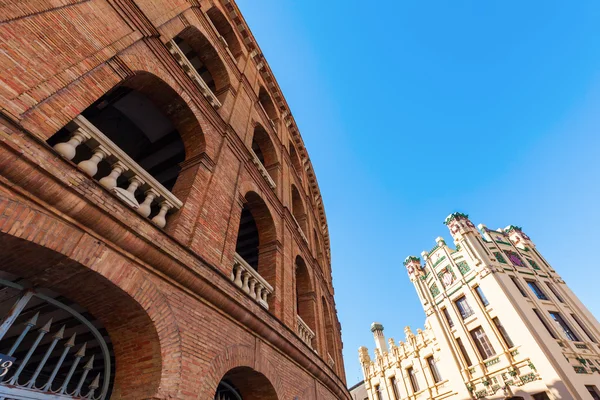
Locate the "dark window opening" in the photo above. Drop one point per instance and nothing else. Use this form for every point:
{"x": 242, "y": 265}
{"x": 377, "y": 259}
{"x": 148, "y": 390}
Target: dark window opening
{"x": 248, "y": 240}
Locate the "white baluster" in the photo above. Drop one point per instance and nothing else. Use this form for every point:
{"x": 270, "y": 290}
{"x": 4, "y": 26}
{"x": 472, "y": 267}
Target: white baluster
{"x": 245, "y": 278}
{"x": 110, "y": 180}
{"x": 145, "y": 208}
{"x": 90, "y": 166}
{"x": 238, "y": 275}
{"x": 128, "y": 195}
{"x": 69, "y": 149}
{"x": 251, "y": 288}
{"x": 160, "y": 218}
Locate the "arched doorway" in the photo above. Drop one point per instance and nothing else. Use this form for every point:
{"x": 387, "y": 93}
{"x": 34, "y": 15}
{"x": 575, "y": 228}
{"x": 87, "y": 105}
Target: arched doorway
{"x": 244, "y": 383}
{"x": 298, "y": 210}
{"x": 133, "y": 140}
{"x": 226, "y": 31}
{"x": 53, "y": 286}
{"x": 52, "y": 347}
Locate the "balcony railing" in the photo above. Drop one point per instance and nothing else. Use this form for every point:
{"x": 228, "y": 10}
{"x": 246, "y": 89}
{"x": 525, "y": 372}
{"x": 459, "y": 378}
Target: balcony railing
{"x": 304, "y": 331}
{"x": 263, "y": 171}
{"x": 103, "y": 149}
{"x": 249, "y": 280}
{"x": 192, "y": 73}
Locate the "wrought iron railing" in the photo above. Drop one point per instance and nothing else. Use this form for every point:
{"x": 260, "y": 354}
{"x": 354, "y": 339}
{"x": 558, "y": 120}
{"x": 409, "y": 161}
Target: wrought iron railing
{"x": 139, "y": 180}
{"x": 304, "y": 331}
{"x": 58, "y": 373}
{"x": 249, "y": 280}
{"x": 192, "y": 73}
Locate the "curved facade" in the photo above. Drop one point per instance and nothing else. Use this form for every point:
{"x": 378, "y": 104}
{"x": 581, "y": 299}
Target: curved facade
{"x": 153, "y": 181}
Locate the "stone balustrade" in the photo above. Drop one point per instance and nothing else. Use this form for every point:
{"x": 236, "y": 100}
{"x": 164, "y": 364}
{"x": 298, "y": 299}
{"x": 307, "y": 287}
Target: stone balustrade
{"x": 263, "y": 171}
{"x": 138, "y": 179}
{"x": 192, "y": 73}
{"x": 304, "y": 331}
{"x": 249, "y": 280}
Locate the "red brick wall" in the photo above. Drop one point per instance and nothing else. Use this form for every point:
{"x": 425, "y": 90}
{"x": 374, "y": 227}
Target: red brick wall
{"x": 56, "y": 61}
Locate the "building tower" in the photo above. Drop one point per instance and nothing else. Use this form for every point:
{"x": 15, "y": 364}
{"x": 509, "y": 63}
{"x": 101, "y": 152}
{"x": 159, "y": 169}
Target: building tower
{"x": 501, "y": 324}
{"x": 162, "y": 231}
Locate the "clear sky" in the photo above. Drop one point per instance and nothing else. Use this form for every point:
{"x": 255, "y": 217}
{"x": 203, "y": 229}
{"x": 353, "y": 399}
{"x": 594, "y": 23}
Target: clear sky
{"x": 413, "y": 109}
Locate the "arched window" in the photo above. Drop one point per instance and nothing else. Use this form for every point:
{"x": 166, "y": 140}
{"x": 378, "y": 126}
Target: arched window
{"x": 263, "y": 148}
{"x": 298, "y": 210}
{"x": 329, "y": 334}
{"x": 222, "y": 26}
{"x": 205, "y": 60}
{"x": 296, "y": 160}
{"x": 133, "y": 140}
{"x": 305, "y": 303}
{"x": 244, "y": 383}
{"x": 267, "y": 104}
{"x": 254, "y": 271}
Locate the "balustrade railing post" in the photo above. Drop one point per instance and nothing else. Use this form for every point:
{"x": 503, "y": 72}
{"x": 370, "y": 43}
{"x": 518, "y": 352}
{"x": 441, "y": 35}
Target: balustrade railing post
{"x": 160, "y": 218}
{"x": 90, "y": 166}
{"x": 110, "y": 180}
{"x": 146, "y": 207}
{"x": 69, "y": 149}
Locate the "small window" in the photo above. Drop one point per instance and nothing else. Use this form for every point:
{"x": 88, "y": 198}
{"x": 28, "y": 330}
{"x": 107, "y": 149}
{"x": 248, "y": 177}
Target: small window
{"x": 394, "y": 386}
{"x": 463, "y": 351}
{"x": 537, "y": 290}
{"x": 413, "y": 379}
{"x": 518, "y": 285}
{"x": 543, "y": 321}
{"x": 483, "y": 343}
{"x": 503, "y": 333}
{"x": 583, "y": 328}
{"x": 593, "y": 391}
{"x": 464, "y": 308}
{"x": 564, "y": 326}
{"x": 434, "y": 369}
{"x": 378, "y": 392}
{"x": 554, "y": 292}
{"x": 448, "y": 317}
{"x": 482, "y": 297}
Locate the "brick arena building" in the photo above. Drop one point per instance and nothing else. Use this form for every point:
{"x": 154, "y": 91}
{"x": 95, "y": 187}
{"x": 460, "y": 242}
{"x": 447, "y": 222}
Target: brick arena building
{"x": 162, "y": 234}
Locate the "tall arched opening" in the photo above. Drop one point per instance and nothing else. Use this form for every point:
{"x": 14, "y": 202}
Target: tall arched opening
{"x": 255, "y": 263}
{"x": 133, "y": 140}
{"x": 265, "y": 152}
{"x": 226, "y": 31}
{"x": 298, "y": 210}
{"x": 305, "y": 303}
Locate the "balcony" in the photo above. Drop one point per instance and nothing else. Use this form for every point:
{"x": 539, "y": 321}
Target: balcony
{"x": 192, "y": 73}
{"x": 249, "y": 280}
{"x": 137, "y": 180}
{"x": 305, "y": 333}
{"x": 299, "y": 229}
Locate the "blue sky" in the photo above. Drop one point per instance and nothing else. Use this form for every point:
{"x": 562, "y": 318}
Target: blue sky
{"x": 413, "y": 109}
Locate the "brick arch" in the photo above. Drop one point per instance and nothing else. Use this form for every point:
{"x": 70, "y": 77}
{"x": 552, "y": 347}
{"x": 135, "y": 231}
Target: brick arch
{"x": 54, "y": 255}
{"x": 305, "y": 294}
{"x": 226, "y": 30}
{"x": 234, "y": 357}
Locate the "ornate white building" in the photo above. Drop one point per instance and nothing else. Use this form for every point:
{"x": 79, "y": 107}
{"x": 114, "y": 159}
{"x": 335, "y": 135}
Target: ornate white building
{"x": 501, "y": 324}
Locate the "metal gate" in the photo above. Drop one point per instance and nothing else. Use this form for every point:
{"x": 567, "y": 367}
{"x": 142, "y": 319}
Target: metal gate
{"x": 227, "y": 392}
{"x": 50, "y": 347}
